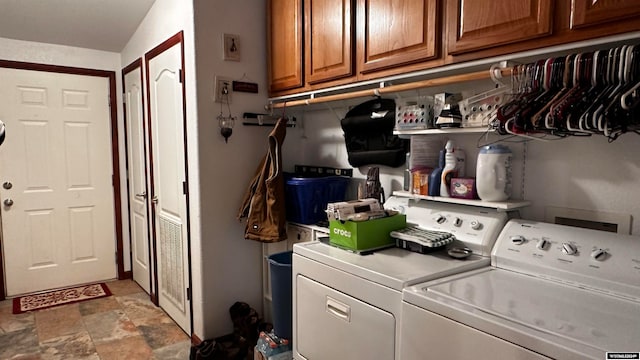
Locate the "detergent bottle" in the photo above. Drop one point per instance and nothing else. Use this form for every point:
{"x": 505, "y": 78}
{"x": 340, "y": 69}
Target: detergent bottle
{"x": 449, "y": 171}
{"x": 434, "y": 176}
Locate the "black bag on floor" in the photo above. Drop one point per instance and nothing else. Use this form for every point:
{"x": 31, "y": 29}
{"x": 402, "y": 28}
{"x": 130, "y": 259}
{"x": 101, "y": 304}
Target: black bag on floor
{"x": 206, "y": 350}
{"x": 368, "y": 134}
{"x": 239, "y": 345}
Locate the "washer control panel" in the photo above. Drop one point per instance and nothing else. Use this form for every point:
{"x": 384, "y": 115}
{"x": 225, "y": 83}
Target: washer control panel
{"x": 589, "y": 258}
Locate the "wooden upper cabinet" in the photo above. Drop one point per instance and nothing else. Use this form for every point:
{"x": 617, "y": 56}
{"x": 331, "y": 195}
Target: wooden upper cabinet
{"x": 329, "y": 39}
{"x": 284, "y": 43}
{"x": 393, "y": 33}
{"x": 475, "y": 25}
{"x": 587, "y": 13}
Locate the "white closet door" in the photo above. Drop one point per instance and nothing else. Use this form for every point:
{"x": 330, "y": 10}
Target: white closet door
{"x": 169, "y": 179}
{"x": 138, "y": 194}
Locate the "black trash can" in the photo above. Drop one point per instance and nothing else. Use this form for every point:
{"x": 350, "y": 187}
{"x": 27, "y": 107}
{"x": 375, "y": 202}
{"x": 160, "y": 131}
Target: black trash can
{"x": 280, "y": 268}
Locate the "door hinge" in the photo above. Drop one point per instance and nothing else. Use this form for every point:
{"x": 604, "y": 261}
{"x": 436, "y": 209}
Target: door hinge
{"x": 124, "y": 98}
{"x": 188, "y": 294}
{"x": 185, "y": 188}
{"x": 181, "y": 75}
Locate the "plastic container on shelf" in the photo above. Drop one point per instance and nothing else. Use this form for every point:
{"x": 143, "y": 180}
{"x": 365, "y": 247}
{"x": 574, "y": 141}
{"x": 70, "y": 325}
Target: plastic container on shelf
{"x": 435, "y": 176}
{"x": 493, "y": 173}
{"x": 280, "y": 273}
{"x": 449, "y": 171}
{"x": 306, "y": 199}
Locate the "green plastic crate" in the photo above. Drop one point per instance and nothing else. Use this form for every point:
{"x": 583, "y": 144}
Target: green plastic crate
{"x": 365, "y": 235}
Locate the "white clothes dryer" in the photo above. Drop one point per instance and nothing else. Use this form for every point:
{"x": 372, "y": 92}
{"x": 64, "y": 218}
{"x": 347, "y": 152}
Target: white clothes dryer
{"x": 348, "y": 306}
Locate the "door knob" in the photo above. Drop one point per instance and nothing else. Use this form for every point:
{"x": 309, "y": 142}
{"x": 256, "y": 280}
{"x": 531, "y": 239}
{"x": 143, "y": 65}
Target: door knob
{"x": 142, "y": 195}
{"x": 8, "y": 202}
{"x": 7, "y": 185}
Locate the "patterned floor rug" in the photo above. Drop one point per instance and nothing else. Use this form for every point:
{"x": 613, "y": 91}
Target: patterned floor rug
{"x": 59, "y": 297}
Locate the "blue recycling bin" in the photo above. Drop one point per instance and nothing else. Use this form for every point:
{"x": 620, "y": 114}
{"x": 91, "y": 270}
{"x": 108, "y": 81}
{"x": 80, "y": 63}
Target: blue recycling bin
{"x": 280, "y": 268}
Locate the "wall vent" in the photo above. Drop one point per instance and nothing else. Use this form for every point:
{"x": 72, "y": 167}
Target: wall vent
{"x": 589, "y": 219}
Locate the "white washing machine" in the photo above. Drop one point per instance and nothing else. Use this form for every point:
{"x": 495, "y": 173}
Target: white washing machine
{"x": 552, "y": 291}
{"x": 348, "y": 306}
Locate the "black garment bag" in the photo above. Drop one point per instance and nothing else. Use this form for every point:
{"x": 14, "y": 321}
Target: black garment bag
{"x": 368, "y": 135}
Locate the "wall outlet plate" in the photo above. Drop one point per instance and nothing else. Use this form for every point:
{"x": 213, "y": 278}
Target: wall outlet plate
{"x": 222, "y": 89}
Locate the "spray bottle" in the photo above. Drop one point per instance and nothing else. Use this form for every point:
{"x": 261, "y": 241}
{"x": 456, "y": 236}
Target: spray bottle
{"x": 449, "y": 170}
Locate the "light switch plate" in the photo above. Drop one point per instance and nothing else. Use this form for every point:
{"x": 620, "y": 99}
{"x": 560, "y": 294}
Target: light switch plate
{"x": 222, "y": 84}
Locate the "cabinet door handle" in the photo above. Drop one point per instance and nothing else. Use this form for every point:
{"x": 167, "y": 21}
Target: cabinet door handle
{"x": 338, "y": 309}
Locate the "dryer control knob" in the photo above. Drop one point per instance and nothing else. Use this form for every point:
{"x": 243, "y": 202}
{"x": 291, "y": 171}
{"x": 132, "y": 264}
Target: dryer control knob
{"x": 440, "y": 219}
{"x": 457, "y": 222}
{"x": 517, "y": 239}
{"x": 599, "y": 254}
{"x": 542, "y": 244}
{"x": 476, "y": 225}
{"x": 569, "y": 249}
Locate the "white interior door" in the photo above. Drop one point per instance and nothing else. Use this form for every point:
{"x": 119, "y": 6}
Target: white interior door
{"x": 138, "y": 194}
{"x": 58, "y": 226}
{"x": 169, "y": 178}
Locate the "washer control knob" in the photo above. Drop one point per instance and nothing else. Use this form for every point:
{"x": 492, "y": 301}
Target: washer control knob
{"x": 517, "y": 239}
{"x": 457, "y": 222}
{"x": 599, "y": 254}
{"x": 475, "y": 225}
{"x": 440, "y": 219}
{"x": 542, "y": 244}
{"x": 569, "y": 249}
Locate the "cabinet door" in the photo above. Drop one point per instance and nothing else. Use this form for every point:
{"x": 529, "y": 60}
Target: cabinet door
{"x": 329, "y": 36}
{"x": 476, "y": 25}
{"x": 586, "y": 13}
{"x": 284, "y": 38}
{"x": 392, "y": 33}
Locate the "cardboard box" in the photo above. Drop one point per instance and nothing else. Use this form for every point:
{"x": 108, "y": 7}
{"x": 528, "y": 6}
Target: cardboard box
{"x": 365, "y": 235}
{"x": 463, "y": 188}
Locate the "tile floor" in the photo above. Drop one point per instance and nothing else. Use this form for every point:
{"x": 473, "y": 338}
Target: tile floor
{"x": 125, "y": 325}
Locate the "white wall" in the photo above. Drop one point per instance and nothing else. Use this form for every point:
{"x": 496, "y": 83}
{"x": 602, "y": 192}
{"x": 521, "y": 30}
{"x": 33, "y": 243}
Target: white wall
{"x": 231, "y": 266}
{"x": 50, "y": 54}
{"x": 585, "y": 173}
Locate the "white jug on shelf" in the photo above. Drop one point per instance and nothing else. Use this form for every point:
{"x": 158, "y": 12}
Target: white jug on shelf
{"x": 493, "y": 173}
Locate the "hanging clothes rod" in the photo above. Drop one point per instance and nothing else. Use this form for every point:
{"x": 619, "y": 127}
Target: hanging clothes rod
{"x": 442, "y": 81}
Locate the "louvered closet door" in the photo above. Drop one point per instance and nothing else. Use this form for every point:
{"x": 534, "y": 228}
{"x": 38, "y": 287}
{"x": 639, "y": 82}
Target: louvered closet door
{"x": 169, "y": 175}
